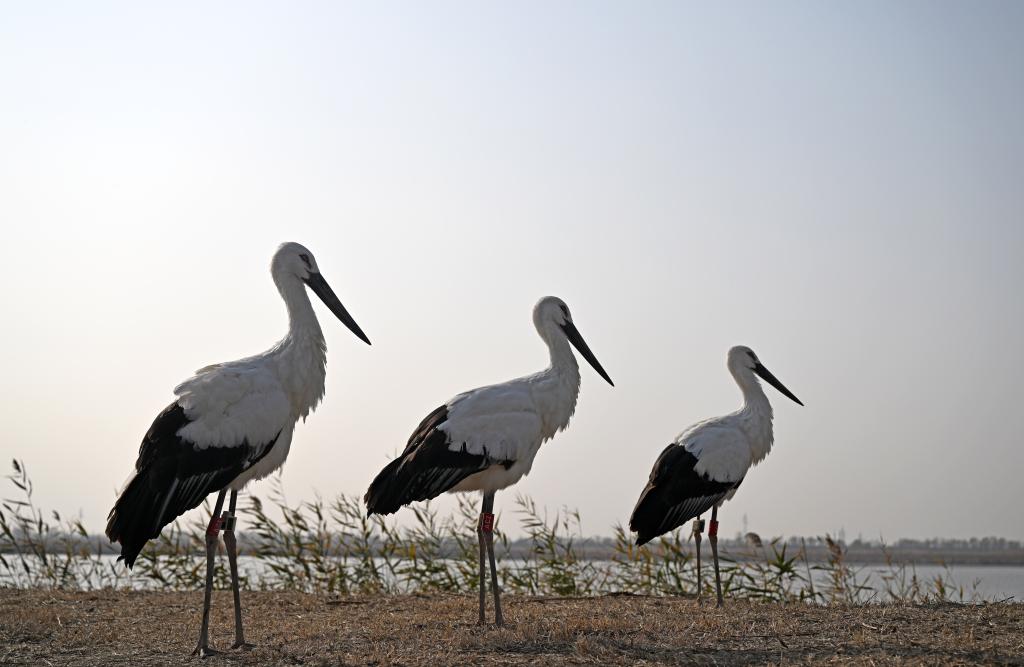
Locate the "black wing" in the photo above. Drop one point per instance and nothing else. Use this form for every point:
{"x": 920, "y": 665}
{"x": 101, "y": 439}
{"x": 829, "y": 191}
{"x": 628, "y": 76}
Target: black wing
{"x": 426, "y": 469}
{"x": 674, "y": 495}
{"x": 171, "y": 477}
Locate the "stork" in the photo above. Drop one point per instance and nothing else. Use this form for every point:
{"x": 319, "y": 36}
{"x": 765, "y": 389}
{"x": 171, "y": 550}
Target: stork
{"x": 230, "y": 424}
{"x": 706, "y": 463}
{"x": 486, "y": 439}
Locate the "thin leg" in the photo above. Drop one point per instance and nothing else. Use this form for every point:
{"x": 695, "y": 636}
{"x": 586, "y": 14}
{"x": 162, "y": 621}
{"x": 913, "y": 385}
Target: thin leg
{"x": 713, "y": 539}
{"x": 232, "y": 547}
{"x": 489, "y": 536}
{"x": 698, "y": 528}
{"x": 483, "y": 569}
{"x": 212, "y": 532}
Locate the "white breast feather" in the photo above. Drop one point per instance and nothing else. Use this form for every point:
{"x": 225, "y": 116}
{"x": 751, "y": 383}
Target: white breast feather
{"x": 502, "y": 419}
{"x": 230, "y": 404}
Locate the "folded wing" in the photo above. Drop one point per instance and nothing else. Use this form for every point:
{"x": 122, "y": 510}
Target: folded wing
{"x": 675, "y": 493}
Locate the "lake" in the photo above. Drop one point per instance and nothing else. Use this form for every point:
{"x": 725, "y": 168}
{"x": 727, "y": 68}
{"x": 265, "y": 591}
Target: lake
{"x": 964, "y": 582}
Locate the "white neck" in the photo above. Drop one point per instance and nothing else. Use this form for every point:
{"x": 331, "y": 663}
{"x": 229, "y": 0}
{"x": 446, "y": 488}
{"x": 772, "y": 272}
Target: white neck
{"x": 556, "y": 388}
{"x": 302, "y": 353}
{"x": 756, "y": 414}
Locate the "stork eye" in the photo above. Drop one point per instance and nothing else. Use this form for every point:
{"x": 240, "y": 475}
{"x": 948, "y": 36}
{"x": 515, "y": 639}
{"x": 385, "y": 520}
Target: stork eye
{"x": 565, "y": 311}
{"x": 305, "y": 258}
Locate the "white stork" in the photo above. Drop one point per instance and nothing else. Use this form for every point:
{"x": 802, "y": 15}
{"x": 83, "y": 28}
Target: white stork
{"x": 486, "y": 439}
{"x": 706, "y": 463}
{"x": 230, "y": 424}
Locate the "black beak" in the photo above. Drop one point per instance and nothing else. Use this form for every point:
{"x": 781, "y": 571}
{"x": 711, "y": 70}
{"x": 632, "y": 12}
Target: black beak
{"x": 766, "y": 375}
{"x": 320, "y": 287}
{"x": 573, "y": 334}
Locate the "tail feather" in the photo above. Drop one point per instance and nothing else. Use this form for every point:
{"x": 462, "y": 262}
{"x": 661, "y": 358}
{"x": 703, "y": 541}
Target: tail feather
{"x": 387, "y": 492}
{"x": 135, "y": 518}
{"x": 647, "y": 517}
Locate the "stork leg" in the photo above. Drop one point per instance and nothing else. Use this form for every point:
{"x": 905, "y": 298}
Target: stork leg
{"x": 488, "y": 527}
{"x": 698, "y": 528}
{"x": 713, "y": 539}
{"x": 232, "y": 548}
{"x": 203, "y": 649}
{"x": 483, "y": 568}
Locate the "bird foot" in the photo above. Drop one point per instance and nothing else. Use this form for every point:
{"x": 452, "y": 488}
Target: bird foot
{"x": 204, "y": 651}
{"x": 243, "y": 645}
{"x": 718, "y": 605}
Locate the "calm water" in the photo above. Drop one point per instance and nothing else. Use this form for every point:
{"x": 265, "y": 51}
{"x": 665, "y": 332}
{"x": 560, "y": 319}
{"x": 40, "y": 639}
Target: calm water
{"x": 989, "y": 582}
{"x": 980, "y": 582}
{"x": 977, "y": 582}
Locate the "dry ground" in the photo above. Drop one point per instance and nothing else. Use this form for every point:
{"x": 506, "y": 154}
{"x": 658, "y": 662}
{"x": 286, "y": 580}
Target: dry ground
{"x": 52, "y": 628}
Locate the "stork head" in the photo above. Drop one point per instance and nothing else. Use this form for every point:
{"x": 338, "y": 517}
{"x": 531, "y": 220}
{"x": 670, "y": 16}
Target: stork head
{"x": 552, "y": 318}
{"x": 743, "y": 362}
{"x": 295, "y": 261}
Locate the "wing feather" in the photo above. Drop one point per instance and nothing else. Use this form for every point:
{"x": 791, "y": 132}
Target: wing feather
{"x": 500, "y": 421}
{"x": 233, "y": 403}
{"x": 429, "y": 466}
{"x": 675, "y": 493}
{"x": 172, "y": 476}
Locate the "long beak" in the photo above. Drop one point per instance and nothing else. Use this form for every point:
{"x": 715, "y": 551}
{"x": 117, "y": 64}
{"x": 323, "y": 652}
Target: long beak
{"x": 320, "y": 287}
{"x": 766, "y": 375}
{"x": 573, "y": 334}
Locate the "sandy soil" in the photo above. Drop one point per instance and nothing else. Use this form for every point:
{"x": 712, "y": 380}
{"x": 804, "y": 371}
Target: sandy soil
{"x": 122, "y": 628}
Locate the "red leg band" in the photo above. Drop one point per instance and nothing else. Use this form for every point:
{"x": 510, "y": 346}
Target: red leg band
{"x": 713, "y": 529}
{"x": 487, "y": 522}
{"x": 213, "y": 530}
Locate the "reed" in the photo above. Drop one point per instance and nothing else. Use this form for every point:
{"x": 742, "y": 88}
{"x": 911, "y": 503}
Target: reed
{"x": 332, "y": 547}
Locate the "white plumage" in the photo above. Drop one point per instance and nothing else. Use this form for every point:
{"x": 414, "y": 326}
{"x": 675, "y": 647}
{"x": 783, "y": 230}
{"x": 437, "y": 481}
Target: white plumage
{"x": 704, "y": 466}
{"x": 510, "y": 421}
{"x": 726, "y": 447}
{"x": 486, "y": 439}
{"x": 227, "y": 404}
{"x": 230, "y": 423}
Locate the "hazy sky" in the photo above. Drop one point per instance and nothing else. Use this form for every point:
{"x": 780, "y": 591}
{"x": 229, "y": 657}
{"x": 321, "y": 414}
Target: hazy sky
{"x": 837, "y": 185}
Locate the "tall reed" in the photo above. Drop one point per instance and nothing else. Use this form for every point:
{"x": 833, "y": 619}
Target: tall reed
{"x": 334, "y": 548}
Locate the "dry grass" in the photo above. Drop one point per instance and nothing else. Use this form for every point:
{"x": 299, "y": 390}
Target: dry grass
{"x": 137, "y": 628}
